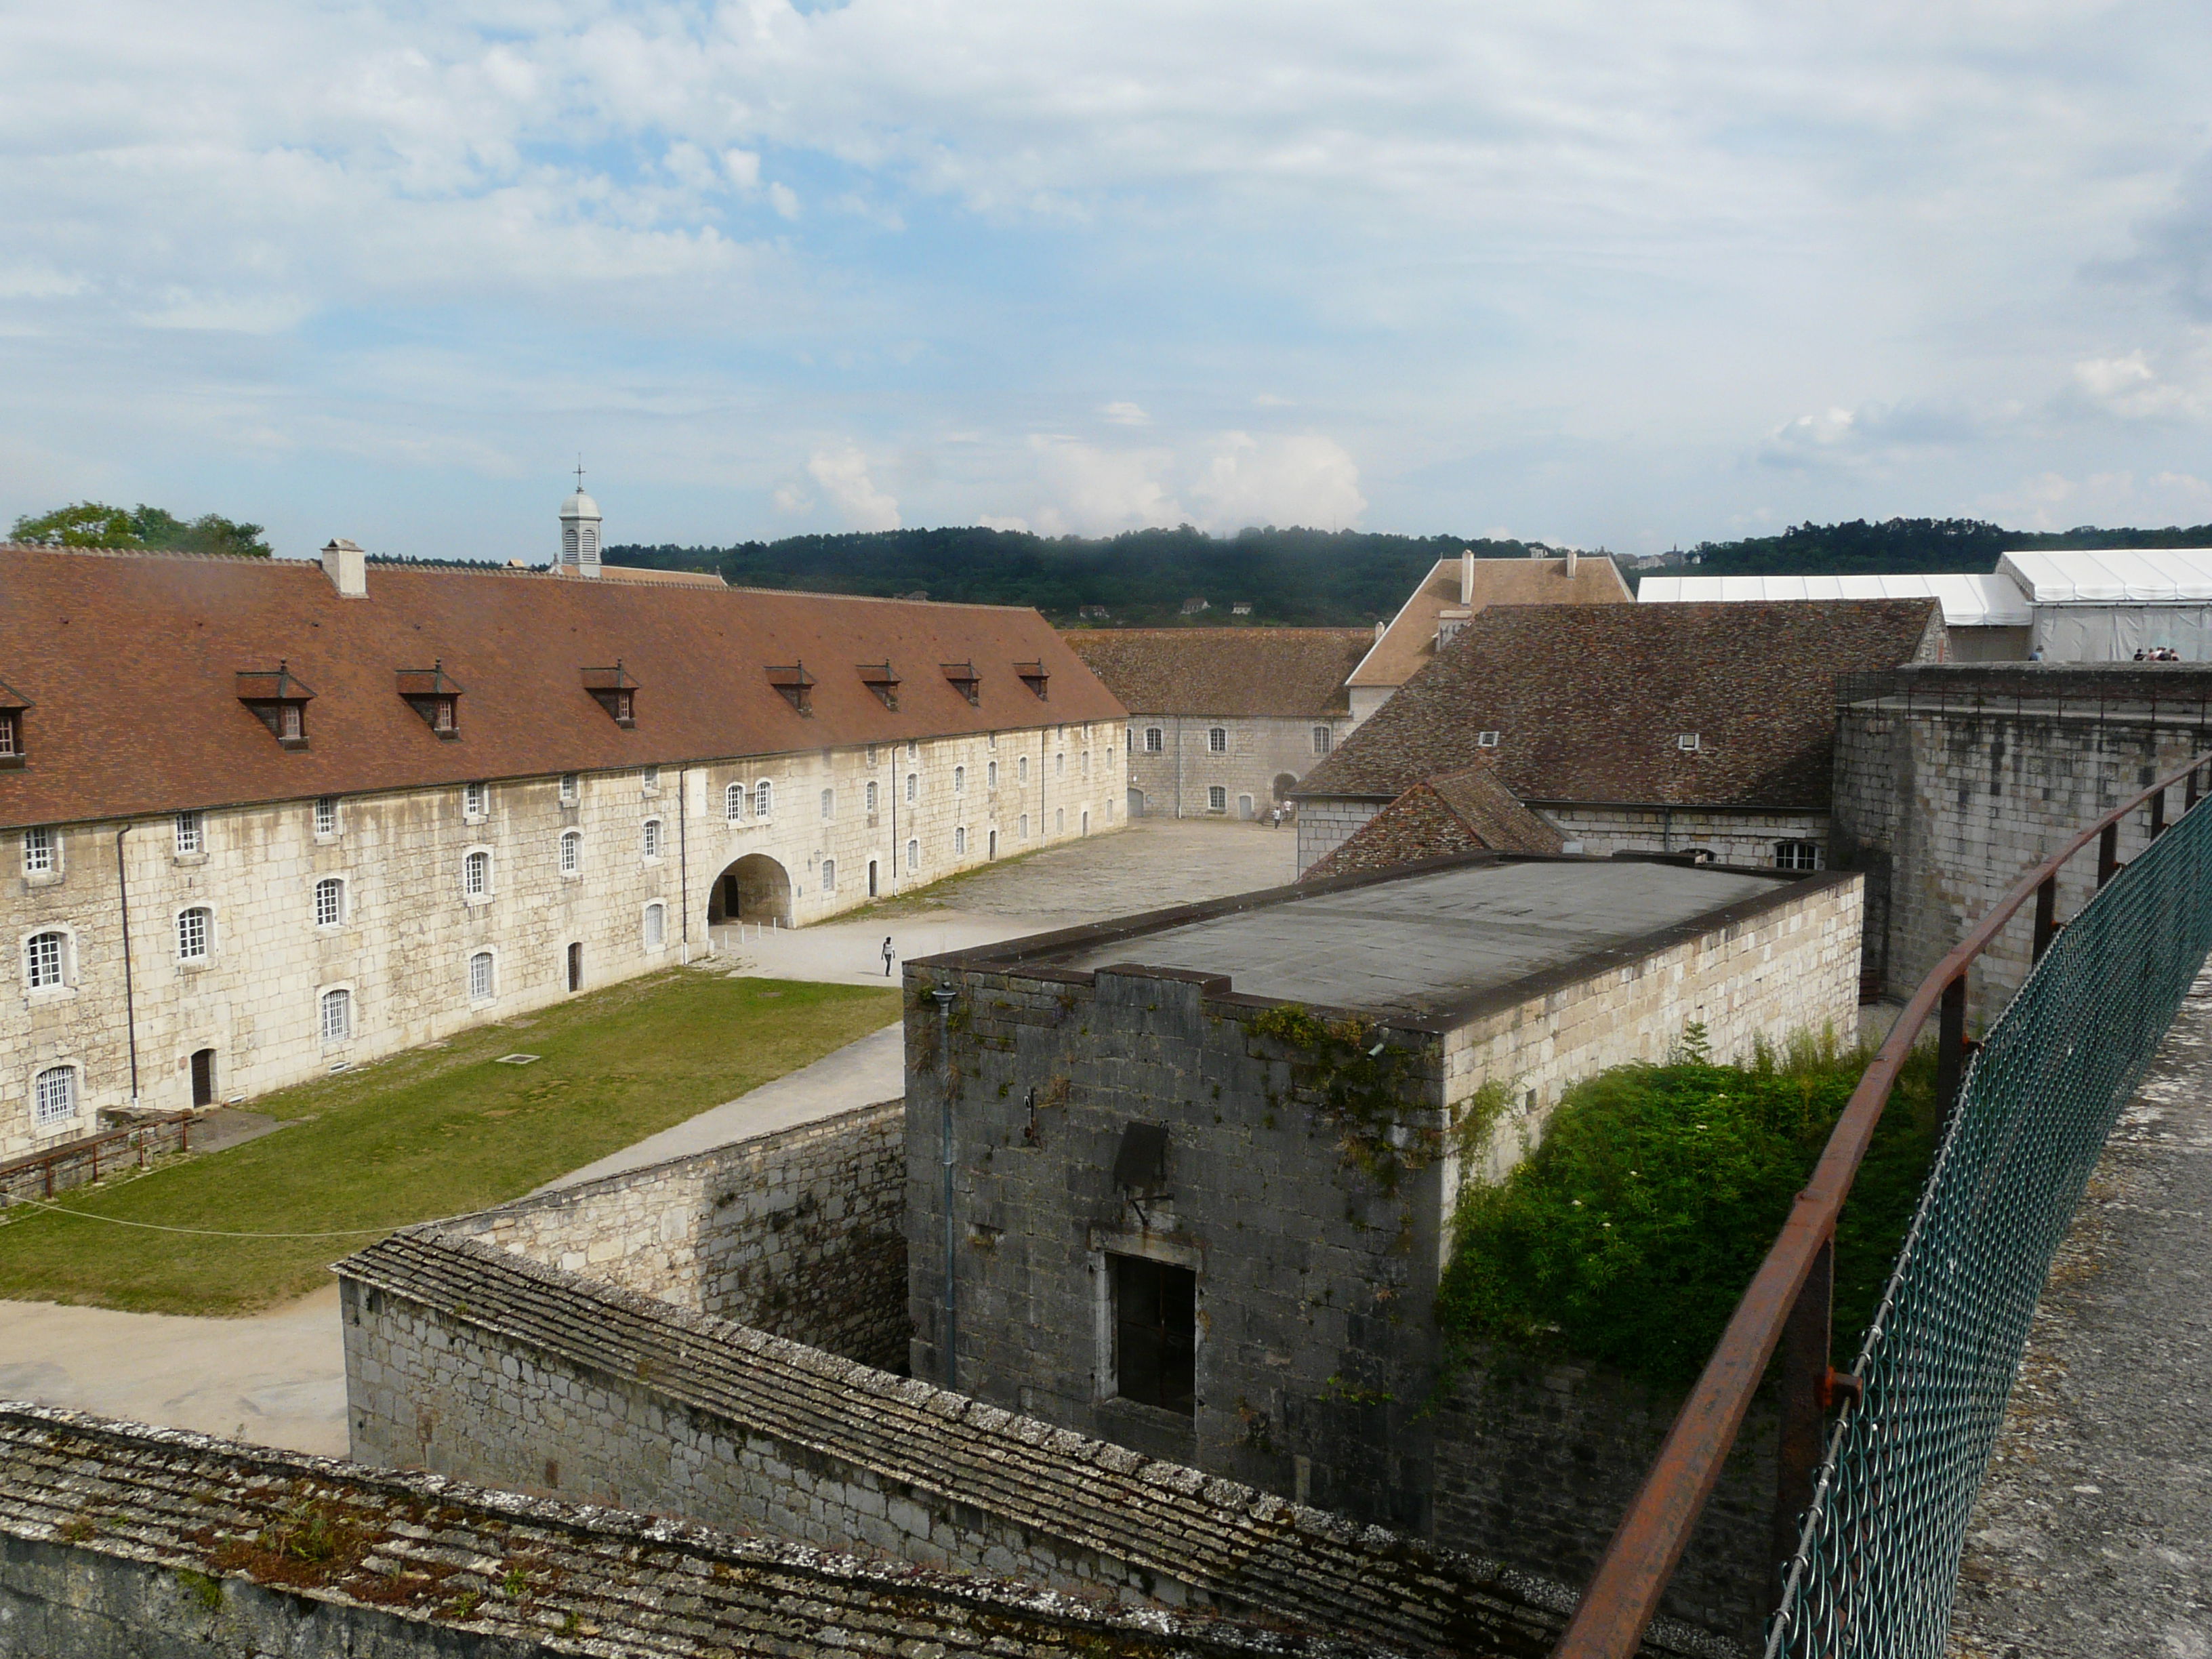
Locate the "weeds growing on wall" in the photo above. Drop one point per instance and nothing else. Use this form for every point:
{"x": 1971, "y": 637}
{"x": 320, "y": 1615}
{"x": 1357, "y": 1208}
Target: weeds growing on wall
{"x": 1630, "y": 1233}
{"x": 1365, "y": 1086}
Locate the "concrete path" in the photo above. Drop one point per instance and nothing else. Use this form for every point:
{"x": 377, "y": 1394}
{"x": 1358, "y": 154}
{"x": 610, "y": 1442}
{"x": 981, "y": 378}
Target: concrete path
{"x": 278, "y": 1379}
{"x": 858, "y": 1074}
{"x": 2094, "y": 1533}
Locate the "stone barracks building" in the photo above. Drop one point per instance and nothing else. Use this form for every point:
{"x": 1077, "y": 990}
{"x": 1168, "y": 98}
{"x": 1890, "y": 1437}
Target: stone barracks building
{"x": 263, "y": 819}
{"x": 1223, "y": 721}
{"x": 1707, "y": 728}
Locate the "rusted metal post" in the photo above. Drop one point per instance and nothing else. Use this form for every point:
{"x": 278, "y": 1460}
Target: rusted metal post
{"x": 2158, "y": 815}
{"x": 1804, "y": 1356}
{"x": 2046, "y": 915}
{"x": 2108, "y": 853}
{"x": 1951, "y": 1046}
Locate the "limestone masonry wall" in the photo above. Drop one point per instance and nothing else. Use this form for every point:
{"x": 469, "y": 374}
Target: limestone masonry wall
{"x": 481, "y": 1364}
{"x": 118, "y": 1541}
{"x": 799, "y": 1233}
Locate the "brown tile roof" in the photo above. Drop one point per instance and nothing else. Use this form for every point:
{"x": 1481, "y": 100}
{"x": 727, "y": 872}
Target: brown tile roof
{"x": 1409, "y": 644}
{"x": 631, "y": 573}
{"x": 1289, "y": 673}
{"x": 130, "y": 662}
{"x": 1464, "y": 811}
{"x": 1589, "y": 701}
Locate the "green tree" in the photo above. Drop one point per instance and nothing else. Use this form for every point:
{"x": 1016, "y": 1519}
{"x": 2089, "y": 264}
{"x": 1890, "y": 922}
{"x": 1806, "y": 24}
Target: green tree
{"x": 96, "y": 524}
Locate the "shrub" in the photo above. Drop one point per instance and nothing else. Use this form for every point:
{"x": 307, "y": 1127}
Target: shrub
{"x": 1630, "y": 1233}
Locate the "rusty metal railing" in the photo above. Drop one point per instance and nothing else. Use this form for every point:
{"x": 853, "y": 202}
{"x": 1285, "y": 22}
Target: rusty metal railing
{"x": 1786, "y": 1309}
{"x": 131, "y": 1144}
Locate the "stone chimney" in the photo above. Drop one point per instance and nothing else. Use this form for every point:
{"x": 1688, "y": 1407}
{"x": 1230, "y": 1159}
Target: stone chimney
{"x": 347, "y": 567}
{"x": 1466, "y": 577}
{"x": 1572, "y": 557}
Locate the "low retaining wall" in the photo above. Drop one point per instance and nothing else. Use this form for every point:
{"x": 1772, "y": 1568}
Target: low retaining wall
{"x": 800, "y": 1233}
{"x": 479, "y": 1362}
{"x": 118, "y": 1541}
{"x": 79, "y": 1163}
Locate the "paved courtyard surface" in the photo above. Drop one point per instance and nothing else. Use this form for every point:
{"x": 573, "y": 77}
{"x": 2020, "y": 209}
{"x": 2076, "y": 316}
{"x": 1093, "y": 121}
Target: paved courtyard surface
{"x": 279, "y": 1378}
{"x": 2094, "y": 1533}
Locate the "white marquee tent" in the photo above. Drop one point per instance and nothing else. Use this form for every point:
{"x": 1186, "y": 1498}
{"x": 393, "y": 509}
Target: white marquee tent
{"x": 2104, "y": 604}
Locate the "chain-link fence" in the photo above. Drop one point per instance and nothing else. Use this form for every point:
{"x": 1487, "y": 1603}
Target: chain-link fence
{"x": 1879, "y": 1558}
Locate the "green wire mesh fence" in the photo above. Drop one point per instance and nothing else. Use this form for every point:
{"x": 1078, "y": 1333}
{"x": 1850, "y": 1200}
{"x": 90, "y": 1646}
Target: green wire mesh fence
{"x": 1878, "y": 1560}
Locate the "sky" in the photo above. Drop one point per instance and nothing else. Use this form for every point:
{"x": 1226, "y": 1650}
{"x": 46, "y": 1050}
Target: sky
{"x": 1613, "y": 274}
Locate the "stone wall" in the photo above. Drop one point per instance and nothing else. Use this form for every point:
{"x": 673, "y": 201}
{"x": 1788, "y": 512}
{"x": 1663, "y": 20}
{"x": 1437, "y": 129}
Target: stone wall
{"x": 799, "y": 1233}
{"x": 1324, "y": 825}
{"x": 118, "y": 1541}
{"x": 1528, "y": 1451}
{"x": 1257, "y": 751}
{"x": 1954, "y": 781}
{"x": 478, "y": 1363}
{"x": 1749, "y": 839}
{"x": 403, "y": 946}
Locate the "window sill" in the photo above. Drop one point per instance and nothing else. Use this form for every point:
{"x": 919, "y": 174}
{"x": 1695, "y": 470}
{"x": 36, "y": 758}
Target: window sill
{"x": 188, "y": 860}
{"x": 476, "y": 901}
{"x": 44, "y": 878}
{"x": 194, "y": 964}
{"x": 46, "y": 993}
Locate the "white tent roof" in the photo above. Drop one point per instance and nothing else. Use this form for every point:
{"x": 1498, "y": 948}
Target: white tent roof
{"x": 2120, "y": 575}
{"x": 1968, "y": 601}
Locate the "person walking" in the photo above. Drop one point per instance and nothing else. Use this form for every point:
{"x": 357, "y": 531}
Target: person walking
{"x": 888, "y": 954}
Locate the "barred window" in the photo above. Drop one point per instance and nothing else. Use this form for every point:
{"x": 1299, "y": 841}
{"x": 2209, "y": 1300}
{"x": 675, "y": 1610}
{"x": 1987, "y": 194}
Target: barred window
{"x": 330, "y": 901}
{"x": 656, "y": 925}
{"x": 49, "y": 956}
{"x": 763, "y": 799}
{"x": 39, "y": 851}
{"x": 476, "y": 875}
{"x": 327, "y": 815}
{"x": 733, "y": 803}
{"x": 337, "y": 1016}
{"x": 191, "y": 834}
{"x": 192, "y": 934}
{"x": 56, "y": 1092}
{"x": 572, "y": 851}
{"x": 480, "y": 979}
{"x": 649, "y": 843}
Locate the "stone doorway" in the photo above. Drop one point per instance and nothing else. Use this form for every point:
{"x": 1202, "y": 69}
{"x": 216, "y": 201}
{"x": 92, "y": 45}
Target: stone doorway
{"x": 755, "y": 888}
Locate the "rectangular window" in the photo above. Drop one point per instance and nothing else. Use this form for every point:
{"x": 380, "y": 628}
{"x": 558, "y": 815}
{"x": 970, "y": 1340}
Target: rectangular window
{"x": 10, "y": 744}
{"x": 1154, "y": 740}
{"x": 959, "y": 780}
{"x": 913, "y": 750}
{"x": 991, "y": 775}
{"x": 1086, "y": 762}
{"x": 959, "y": 842}
{"x": 656, "y": 925}
{"x": 330, "y": 902}
{"x": 571, "y": 785}
{"x": 652, "y": 778}
{"x": 337, "y": 1016}
{"x": 1686, "y": 741}
{"x": 650, "y": 842}
{"x": 480, "y": 977}
{"x": 1022, "y": 769}
{"x": 828, "y": 804}
{"x": 1320, "y": 739}
{"x": 56, "y": 1090}
{"x": 1485, "y": 739}
{"x": 41, "y": 851}
{"x": 913, "y": 856}
{"x": 476, "y": 800}
{"x": 829, "y": 875}
{"x": 1797, "y": 855}
{"x": 1216, "y": 800}
{"x": 191, "y": 834}
{"x": 327, "y": 815}
{"x": 871, "y": 796}
{"x": 1060, "y": 766}
{"x": 193, "y": 935}
{"x": 1025, "y": 826}
{"x": 1217, "y": 740}
{"x": 871, "y": 754}
{"x": 46, "y": 961}
{"x": 1154, "y": 1332}
{"x": 913, "y": 787}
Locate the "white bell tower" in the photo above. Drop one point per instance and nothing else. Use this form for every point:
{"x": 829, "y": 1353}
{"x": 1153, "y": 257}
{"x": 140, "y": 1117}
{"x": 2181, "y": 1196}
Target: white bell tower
{"x": 579, "y": 532}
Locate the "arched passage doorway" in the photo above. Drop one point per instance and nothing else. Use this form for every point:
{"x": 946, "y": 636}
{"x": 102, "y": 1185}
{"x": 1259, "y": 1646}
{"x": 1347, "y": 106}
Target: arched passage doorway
{"x": 1284, "y": 782}
{"x": 754, "y": 889}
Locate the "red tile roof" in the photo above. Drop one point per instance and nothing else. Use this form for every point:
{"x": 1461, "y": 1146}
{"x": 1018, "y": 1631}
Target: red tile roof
{"x": 130, "y": 662}
{"x": 1465, "y": 811}
{"x": 1588, "y": 701}
{"x": 1294, "y": 673}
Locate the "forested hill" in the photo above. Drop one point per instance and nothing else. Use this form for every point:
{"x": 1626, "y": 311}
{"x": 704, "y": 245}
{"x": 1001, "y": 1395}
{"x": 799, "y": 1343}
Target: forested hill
{"x": 1299, "y": 577}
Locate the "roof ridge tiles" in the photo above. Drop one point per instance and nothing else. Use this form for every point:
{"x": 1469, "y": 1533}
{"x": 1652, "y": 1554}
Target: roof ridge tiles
{"x": 151, "y": 553}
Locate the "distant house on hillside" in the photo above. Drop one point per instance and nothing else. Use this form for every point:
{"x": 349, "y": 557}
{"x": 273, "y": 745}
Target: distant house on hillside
{"x": 1457, "y": 589}
{"x": 1241, "y": 608}
{"x": 1632, "y": 727}
{"x": 1094, "y": 613}
{"x": 1192, "y": 607}
{"x": 1223, "y": 721}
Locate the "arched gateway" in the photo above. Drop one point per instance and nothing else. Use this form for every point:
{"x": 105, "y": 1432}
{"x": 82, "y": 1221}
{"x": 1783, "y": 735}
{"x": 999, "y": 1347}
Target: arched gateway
{"x": 754, "y": 889}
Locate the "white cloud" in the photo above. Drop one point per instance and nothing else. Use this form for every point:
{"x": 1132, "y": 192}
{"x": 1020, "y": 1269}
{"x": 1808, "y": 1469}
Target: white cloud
{"x": 842, "y": 473}
{"x": 2129, "y": 387}
{"x": 1126, "y": 415}
{"x": 1095, "y": 491}
{"x": 784, "y": 200}
{"x": 1281, "y": 481}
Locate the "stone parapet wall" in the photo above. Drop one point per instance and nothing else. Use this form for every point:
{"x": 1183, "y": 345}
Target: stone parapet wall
{"x": 481, "y": 1364}
{"x": 118, "y": 1541}
{"x": 1741, "y": 838}
{"x": 1325, "y": 825}
{"x": 800, "y": 1233}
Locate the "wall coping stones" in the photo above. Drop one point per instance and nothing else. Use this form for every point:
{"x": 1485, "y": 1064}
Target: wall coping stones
{"x": 1253, "y": 1549}
{"x": 436, "y": 1554}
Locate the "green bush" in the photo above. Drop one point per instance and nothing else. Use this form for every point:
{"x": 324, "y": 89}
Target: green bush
{"x": 1630, "y": 1233}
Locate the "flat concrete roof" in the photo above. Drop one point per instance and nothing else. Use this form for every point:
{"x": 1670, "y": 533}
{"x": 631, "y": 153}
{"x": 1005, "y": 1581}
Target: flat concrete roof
{"x": 1423, "y": 943}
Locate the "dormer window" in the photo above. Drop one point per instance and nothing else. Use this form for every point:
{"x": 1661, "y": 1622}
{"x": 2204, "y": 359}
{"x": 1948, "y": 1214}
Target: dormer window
{"x": 279, "y": 702}
{"x": 1034, "y": 677}
{"x": 962, "y": 678}
{"x": 614, "y": 690}
{"x": 1485, "y": 740}
{"x": 13, "y": 706}
{"x": 796, "y": 686}
{"x": 1686, "y": 742}
{"x": 436, "y": 696}
{"x": 880, "y": 677}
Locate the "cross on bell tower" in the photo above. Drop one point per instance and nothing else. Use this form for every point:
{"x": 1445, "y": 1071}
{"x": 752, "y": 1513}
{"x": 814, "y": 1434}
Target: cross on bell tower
{"x": 579, "y": 531}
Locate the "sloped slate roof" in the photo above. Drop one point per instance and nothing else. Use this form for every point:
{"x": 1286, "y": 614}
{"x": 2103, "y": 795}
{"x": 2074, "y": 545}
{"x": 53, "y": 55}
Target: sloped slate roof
{"x": 1409, "y": 644}
{"x": 1588, "y": 701}
{"x": 1465, "y": 811}
{"x": 130, "y": 661}
{"x": 1232, "y": 672}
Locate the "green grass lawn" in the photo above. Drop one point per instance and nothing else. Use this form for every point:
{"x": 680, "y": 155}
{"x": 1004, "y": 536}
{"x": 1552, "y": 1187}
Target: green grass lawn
{"x": 436, "y": 1131}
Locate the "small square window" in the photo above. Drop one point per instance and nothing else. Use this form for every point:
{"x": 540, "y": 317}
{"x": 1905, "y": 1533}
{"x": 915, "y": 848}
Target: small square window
{"x": 1154, "y": 1332}
{"x": 1686, "y": 742}
{"x": 1485, "y": 740}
